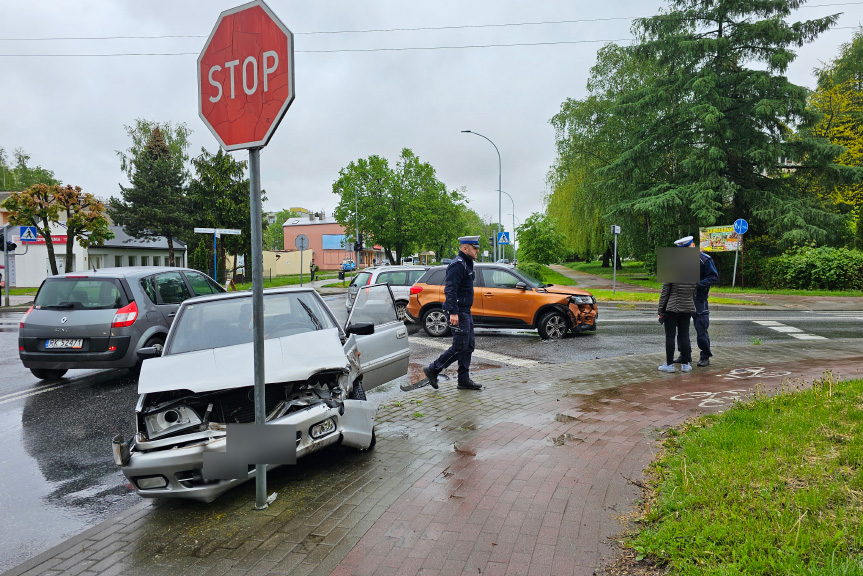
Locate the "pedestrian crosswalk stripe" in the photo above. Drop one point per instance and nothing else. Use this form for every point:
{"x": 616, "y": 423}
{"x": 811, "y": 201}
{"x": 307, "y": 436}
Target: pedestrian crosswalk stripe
{"x": 790, "y": 330}
{"x": 493, "y": 356}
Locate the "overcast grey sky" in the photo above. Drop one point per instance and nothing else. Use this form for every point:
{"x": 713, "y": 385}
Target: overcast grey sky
{"x": 68, "y": 110}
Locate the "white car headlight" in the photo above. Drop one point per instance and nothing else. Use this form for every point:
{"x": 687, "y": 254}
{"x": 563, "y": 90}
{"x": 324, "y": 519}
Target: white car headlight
{"x": 583, "y": 299}
{"x": 170, "y": 420}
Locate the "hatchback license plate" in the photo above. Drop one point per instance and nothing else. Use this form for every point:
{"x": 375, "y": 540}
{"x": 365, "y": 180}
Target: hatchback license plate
{"x": 64, "y": 343}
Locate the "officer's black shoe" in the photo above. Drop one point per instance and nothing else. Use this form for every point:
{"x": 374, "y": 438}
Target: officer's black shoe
{"x": 678, "y": 360}
{"x": 432, "y": 377}
{"x": 703, "y": 363}
{"x": 469, "y": 385}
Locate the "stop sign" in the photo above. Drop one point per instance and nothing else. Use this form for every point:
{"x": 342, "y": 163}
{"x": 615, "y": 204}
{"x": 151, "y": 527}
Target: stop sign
{"x": 246, "y": 76}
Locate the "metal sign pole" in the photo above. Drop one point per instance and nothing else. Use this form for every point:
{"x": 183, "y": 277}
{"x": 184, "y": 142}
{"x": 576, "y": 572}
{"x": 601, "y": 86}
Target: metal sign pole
{"x": 734, "y": 274}
{"x": 301, "y": 268}
{"x": 215, "y": 252}
{"x": 6, "y": 263}
{"x": 258, "y": 314}
{"x": 614, "y": 268}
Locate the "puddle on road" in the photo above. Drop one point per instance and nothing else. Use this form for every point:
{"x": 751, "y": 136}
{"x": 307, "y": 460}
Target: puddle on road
{"x": 564, "y": 438}
{"x": 564, "y": 418}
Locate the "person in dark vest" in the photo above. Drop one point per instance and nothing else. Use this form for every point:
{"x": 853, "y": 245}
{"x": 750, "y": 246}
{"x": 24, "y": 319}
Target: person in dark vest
{"x": 458, "y": 290}
{"x": 708, "y": 276}
{"x": 676, "y": 306}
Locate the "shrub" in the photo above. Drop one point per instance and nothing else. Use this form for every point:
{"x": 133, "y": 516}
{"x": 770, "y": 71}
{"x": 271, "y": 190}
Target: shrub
{"x": 531, "y": 269}
{"x": 821, "y": 268}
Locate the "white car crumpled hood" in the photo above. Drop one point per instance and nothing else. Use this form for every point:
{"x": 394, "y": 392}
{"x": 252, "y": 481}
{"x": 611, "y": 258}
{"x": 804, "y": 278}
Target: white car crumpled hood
{"x": 286, "y": 359}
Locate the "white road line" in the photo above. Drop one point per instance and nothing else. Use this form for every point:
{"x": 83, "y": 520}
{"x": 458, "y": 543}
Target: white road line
{"x": 790, "y": 330}
{"x": 808, "y": 337}
{"x": 27, "y": 393}
{"x": 493, "y": 356}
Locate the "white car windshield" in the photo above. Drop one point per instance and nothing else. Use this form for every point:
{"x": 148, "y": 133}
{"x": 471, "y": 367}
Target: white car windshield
{"x": 228, "y": 322}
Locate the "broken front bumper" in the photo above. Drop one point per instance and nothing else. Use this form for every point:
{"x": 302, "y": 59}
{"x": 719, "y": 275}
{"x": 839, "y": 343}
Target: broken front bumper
{"x": 174, "y": 471}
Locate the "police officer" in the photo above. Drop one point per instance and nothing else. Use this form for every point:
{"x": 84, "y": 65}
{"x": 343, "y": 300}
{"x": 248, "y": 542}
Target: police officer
{"x": 458, "y": 290}
{"x": 708, "y": 276}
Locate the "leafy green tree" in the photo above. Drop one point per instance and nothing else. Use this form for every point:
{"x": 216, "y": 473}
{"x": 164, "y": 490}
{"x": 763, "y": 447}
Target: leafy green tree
{"x": 540, "y": 241}
{"x": 839, "y": 100}
{"x": 155, "y": 205}
{"x": 19, "y": 175}
{"x": 175, "y": 136}
{"x": 219, "y": 196}
{"x": 589, "y": 137}
{"x": 274, "y": 235}
{"x": 715, "y": 141}
{"x": 393, "y": 206}
{"x": 42, "y": 205}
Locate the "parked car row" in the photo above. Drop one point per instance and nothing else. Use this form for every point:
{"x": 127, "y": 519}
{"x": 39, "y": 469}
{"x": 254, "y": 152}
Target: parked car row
{"x": 193, "y": 345}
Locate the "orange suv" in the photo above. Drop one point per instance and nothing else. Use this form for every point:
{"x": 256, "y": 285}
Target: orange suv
{"x": 505, "y": 298}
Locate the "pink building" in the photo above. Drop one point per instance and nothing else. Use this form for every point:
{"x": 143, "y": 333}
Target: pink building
{"x": 326, "y": 241}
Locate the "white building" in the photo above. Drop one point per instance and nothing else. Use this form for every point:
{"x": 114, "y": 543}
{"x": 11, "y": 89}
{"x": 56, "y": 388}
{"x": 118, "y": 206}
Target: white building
{"x": 31, "y": 264}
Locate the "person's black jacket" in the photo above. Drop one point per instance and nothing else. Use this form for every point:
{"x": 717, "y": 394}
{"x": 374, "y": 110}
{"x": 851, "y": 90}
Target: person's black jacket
{"x": 458, "y": 286}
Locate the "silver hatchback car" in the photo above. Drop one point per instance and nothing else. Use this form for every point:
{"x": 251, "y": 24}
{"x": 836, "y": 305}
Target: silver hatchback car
{"x": 399, "y": 278}
{"x": 100, "y": 318}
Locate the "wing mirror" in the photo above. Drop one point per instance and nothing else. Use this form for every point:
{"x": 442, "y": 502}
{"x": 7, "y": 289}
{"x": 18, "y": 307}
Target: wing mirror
{"x": 148, "y": 352}
{"x": 521, "y": 285}
{"x": 360, "y": 329}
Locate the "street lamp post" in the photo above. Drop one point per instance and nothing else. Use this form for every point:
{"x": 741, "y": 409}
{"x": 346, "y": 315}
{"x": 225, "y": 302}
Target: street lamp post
{"x": 512, "y": 240}
{"x": 499, "y": 197}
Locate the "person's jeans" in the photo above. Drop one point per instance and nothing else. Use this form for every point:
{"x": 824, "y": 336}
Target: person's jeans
{"x": 463, "y": 344}
{"x": 677, "y": 324}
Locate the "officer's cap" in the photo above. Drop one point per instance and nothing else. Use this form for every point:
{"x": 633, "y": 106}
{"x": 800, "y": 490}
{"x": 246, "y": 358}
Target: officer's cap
{"x": 685, "y": 241}
{"x": 469, "y": 240}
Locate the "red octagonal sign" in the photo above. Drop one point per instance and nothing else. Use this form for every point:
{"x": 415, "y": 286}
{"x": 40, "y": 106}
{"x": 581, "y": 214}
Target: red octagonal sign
{"x": 246, "y": 76}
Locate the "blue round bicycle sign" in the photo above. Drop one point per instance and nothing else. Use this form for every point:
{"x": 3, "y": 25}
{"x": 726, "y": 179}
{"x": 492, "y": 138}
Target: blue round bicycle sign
{"x": 740, "y": 226}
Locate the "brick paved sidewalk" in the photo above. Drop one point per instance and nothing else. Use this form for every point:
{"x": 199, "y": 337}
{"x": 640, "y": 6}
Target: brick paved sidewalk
{"x": 532, "y": 475}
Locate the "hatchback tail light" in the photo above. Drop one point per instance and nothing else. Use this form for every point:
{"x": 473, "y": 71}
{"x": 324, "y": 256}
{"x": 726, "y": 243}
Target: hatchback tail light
{"x": 24, "y": 319}
{"x": 416, "y": 289}
{"x": 125, "y": 316}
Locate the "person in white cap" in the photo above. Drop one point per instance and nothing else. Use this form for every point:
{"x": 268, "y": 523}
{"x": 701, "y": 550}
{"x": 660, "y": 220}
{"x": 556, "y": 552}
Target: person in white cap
{"x": 458, "y": 289}
{"x": 676, "y": 306}
{"x": 708, "y": 276}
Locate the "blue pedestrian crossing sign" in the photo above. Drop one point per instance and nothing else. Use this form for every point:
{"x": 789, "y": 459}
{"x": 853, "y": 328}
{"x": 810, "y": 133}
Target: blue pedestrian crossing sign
{"x": 503, "y": 238}
{"x": 27, "y": 234}
{"x": 741, "y": 226}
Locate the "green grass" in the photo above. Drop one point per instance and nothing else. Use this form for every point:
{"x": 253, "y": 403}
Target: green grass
{"x": 634, "y": 273}
{"x": 621, "y": 296}
{"x": 20, "y": 291}
{"x": 549, "y": 276}
{"x": 286, "y": 281}
{"x": 772, "y": 486}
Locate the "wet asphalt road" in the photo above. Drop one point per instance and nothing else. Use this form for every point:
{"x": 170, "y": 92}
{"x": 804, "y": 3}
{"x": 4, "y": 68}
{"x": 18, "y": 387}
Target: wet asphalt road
{"x": 59, "y": 477}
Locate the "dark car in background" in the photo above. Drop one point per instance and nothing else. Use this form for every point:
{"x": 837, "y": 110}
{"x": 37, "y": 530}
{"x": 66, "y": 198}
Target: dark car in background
{"x": 100, "y": 318}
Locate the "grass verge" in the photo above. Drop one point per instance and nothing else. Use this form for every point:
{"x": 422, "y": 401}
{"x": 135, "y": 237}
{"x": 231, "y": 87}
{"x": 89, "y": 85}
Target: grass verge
{"x": 772, "y": 486}
{"x": 549, "y": 276}
{"x": 634, "y": 273}
{"x": 620, "y": 296}
{"x": 286, "y": 281}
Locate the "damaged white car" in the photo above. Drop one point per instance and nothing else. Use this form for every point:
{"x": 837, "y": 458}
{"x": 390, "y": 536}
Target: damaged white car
{"x": 316, "y": 374}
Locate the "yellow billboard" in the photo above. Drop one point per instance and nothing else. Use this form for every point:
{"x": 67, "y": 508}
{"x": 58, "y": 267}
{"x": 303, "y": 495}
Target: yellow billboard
{"x": 719, "y": 239}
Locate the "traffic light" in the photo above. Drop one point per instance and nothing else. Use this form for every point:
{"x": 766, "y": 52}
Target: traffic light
{"x": 10, "y": 246}
{"x": 358, "y": 247}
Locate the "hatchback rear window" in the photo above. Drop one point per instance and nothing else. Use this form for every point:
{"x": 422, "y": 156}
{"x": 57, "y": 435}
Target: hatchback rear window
{"x": 433, "y": 277}
{"x": 80, "y": 294}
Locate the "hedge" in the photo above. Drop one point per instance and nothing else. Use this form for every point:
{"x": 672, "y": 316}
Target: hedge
{"x": 822, "y": 268}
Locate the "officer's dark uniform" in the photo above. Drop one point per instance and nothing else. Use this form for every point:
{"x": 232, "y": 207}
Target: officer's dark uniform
{"x": 709, "y": 276}
{"x": 458, "y": 290}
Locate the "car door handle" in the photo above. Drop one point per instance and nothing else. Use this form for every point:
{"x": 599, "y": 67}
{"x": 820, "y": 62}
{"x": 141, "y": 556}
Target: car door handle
{"x": 172, "y": 314}
{"x": 488, "y": 294}
{"x": 401, "y": 333}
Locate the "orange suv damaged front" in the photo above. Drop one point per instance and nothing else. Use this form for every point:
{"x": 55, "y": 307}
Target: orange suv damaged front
{"x": 506, "y": 298}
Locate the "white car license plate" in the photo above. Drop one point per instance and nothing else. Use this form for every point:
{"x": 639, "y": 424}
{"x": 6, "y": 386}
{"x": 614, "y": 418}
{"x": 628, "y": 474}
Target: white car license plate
{"x": 64, "y": 343}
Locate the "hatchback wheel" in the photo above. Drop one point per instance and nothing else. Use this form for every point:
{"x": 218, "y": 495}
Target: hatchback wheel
{"x": 401, "y": 311}
{"x": 552, "y": 326}
{"x": 435, "y": 322}
{"x": 47, "y": 374}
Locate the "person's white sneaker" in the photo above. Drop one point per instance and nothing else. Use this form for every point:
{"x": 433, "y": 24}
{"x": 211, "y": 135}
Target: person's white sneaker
{"x": 668, "y": 367}
{"x": 685, "y": 368}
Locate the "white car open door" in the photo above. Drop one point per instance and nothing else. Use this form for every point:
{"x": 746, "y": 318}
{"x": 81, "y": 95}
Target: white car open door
{"x": 383, "y": 355}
